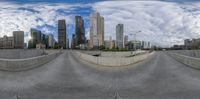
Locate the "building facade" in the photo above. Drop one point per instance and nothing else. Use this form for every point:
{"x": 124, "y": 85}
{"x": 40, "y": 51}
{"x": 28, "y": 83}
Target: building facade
{"x": 111, "y": 43}
{"x": 62, "y": 35}
{"x": 35, "y": 38}
{"x": 45, "y": 40}
{"x": 145, "y": 45}
{"x": 73, "y": 41}
{"x": 120, "y": 36}
{"x": 6, "y": 42}
{"x": 192, "y": 44}
{"x": 40, "y": 46}
{"x": 96, "y": 30}
{"x": 51, "y": 40}
{"x": 135, "y": 44}
{"x": 80, "y": 31}
{"x": 18, "y": 39}
{"x": 126, "y": 41}
{"x": 15, "y": 41}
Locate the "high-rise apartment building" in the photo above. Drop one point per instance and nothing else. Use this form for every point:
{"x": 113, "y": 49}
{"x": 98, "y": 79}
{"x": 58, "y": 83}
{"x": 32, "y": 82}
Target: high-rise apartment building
{"x": 96, "y": 30}
{"x": 120, "y": 36}
{"x": 62, "y": 35}
{"x": 18, "y": 39}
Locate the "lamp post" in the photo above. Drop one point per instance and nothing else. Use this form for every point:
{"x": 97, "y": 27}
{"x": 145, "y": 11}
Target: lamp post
{"x": 135, "y": 40}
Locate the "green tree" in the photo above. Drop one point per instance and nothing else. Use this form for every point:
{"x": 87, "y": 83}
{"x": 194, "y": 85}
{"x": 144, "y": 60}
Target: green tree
{"x": 102, "y": 47}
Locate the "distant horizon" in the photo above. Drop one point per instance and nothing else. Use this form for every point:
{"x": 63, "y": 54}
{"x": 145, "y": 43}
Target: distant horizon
{"x": 173, "y": 22}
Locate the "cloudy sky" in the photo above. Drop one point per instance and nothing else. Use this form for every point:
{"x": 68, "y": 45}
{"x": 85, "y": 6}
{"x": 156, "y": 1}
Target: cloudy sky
{"x": 161, "y": 22}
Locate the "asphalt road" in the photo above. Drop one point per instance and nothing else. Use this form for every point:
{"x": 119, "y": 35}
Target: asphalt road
{"x": 66, "y": 77}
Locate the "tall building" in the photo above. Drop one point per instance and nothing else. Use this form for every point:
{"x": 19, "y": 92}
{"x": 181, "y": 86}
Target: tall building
{"x": 18, "y": 39}
{"x": 96, "y": 30}
{"x": 51, "y": 41}
{"x": 62, "y": 41}
{"x": 35, "y": 38}
{"x": 80, "y": 30}
{"x": 120, "y": 36}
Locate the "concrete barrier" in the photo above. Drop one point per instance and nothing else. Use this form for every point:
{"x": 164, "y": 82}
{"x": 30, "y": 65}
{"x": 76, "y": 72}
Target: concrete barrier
{"x": 190, "y": 61}
{"x": 23, "y": 53}
{"x": 112, "y": 61}
{"x": 28, "y": 63}
{"x": 191, "y": 53}
{"x": 114, "y": 54}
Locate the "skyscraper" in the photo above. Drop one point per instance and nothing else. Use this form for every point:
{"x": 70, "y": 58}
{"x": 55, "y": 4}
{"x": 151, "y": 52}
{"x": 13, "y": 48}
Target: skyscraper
{"x": 80, "y": 30}
{"x": 96, "y": 30}
{"x": 18, "y": 39}
{"x": 62, "y": 33}
{"x": 119, "y": 35}
{"x": 35, "y": 38}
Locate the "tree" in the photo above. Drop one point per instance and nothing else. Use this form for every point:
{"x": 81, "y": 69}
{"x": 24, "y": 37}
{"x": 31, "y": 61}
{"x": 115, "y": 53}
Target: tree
{"x": 102, "y": 47}
{"x": 56, "y": 46}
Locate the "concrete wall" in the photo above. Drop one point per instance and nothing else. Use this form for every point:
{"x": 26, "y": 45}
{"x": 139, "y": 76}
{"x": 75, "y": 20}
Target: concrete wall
{"x": 190, "y": 61}
{"x": 19, "y": 53}
{"x": 114, "y": 54}
{"x": 28, "y": 63}
{"x": 191, "y": 53}
{"x": 22, "y": 53}
{"x": 111, "y": 61}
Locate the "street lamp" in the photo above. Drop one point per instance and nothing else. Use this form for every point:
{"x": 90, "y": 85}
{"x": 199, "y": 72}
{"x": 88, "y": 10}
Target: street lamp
{"x": 134, "y": 34}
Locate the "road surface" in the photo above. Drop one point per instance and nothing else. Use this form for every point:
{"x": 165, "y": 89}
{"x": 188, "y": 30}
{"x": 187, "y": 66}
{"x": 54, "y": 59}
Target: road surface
{"x": 66, "y": 77}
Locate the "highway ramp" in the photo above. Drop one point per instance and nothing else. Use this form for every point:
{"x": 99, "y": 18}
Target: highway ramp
{"x": 66, "y": 77}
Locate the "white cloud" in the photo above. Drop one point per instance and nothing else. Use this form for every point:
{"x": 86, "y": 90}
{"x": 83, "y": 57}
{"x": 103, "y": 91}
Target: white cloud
{"x": 164, "y": 23}
{"x": 16, "y": 16}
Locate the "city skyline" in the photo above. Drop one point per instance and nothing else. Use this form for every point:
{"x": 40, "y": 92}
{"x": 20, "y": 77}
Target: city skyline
{"x": 170, "y": 25}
